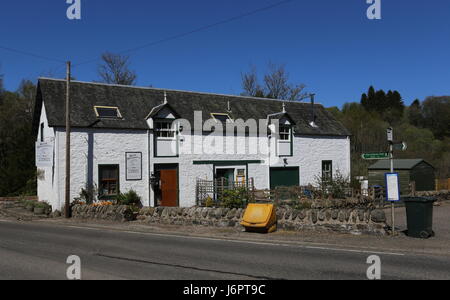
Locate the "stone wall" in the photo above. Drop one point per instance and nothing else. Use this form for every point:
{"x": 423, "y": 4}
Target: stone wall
{"x": 11, "y": 199}
{"x": 360, "y": 221}
{"x": 369, "y": 221}
{"x": 119, "y": 213}
{"x": 14, "y": 202}
{"x": 443, "y": 195}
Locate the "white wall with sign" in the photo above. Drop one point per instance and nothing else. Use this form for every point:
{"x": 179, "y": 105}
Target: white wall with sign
{"x": 133, "y": 166}
{"x": 44, "y": 154}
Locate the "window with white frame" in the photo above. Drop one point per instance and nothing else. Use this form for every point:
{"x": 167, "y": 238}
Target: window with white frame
{"x": 164, "y": 130}
{"x": 285, "y": 133}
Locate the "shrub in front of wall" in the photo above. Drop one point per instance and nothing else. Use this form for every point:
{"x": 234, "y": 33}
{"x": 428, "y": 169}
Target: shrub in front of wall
{"x": 209, "y": 202}
{"x": 130, "y": 198}
{"x": 87, "y": 195}
{"x": 237, "y": 198}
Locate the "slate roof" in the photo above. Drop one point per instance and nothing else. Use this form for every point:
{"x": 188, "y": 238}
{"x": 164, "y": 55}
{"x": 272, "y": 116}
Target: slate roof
{"x": 135, "y": 104}
{"x": 399, "y": 164}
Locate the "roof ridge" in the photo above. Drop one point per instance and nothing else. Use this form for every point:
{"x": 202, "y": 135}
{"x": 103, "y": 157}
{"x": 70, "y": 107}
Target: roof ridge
{"x": 181, "y": 91}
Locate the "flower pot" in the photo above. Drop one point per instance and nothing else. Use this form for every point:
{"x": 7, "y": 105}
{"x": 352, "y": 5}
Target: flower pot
{"x": 39, "y": 210}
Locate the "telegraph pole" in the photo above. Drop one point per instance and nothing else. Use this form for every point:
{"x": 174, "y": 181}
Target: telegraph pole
{"x": 67, "y": 197}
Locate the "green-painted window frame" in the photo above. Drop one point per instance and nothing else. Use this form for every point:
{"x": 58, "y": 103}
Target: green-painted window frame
{"x": 291, "y": 141}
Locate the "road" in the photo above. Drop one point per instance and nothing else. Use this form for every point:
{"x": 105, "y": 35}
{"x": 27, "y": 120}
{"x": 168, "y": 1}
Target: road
{"x": 40, "y": 251}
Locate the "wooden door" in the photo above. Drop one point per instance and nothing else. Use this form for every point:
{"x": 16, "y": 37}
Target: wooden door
{"x": 169, "y": 188}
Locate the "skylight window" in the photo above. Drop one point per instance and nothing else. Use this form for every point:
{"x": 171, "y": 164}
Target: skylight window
{"x": 224, "y": 118}
{"x": 110, "y": 112}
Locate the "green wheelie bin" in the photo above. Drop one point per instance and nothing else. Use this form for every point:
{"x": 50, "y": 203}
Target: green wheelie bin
{"x": 419, "y": 215}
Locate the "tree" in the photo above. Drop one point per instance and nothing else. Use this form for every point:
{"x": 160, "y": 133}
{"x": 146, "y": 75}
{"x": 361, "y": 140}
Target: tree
{"x": 275, "y": 84}
{"x": 115, "y": 70}
{"x": 1, "y": 89}
{"x": 27, "y": 92}
{"x": 436, "y": 113}
{"x": 388, "y": 105}
{"x": 415, "y": 116}
{"x": 250, "y": 84}
{"x": 17, "y": 170}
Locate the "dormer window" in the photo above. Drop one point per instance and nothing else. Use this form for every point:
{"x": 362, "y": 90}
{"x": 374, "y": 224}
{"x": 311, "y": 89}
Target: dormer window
{"x": 110, "y": 112}
{"x": 285, "y": 139}
{"x": 285, "y": 133}
{"x": 223, "y": 118}
{"x": 164, "y": 130}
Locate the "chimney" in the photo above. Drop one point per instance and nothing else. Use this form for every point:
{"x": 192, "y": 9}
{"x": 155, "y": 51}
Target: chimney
{"x": 313, "y": 114}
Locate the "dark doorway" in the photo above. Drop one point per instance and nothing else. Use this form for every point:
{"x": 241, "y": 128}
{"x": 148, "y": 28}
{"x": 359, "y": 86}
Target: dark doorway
{"x": 227, "y": 175}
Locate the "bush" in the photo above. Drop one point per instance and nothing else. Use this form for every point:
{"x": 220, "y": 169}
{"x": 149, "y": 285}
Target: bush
{"x": 129, "y": 198}
{"x": 87, "y": 196}
{"x": 336, "y": 188}
{"x": 234, "y": 198}
{"x": 42, "y": 205}
{"x": 209, "y": 202}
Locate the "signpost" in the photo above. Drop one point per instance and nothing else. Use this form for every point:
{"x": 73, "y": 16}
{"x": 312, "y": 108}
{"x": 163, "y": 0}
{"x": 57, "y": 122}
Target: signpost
{"x": 392, "y": 181}
{"x": 390, "y": 138}
{"x": 400, "y": 146}
{"x": 375, "y": 156}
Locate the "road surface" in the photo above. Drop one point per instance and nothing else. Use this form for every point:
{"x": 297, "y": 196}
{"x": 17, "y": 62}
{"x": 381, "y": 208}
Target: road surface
{"x": 40, "y": 251}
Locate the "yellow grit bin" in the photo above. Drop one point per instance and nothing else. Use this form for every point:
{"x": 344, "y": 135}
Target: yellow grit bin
{"x": 260, "y": 218}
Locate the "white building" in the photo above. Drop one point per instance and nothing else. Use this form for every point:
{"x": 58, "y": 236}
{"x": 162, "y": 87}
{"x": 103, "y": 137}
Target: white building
{"x": 159, "y": 142}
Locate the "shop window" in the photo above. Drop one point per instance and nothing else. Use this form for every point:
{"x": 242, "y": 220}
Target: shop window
{"x": 108, "y": 180}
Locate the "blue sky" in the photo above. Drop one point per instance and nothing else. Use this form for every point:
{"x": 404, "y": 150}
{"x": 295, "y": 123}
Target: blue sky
{"x": 328, "y": 45}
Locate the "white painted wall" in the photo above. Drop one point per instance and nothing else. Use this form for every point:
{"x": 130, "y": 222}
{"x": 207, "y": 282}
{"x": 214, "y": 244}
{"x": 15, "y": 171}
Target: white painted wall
{"x": 309, "y": 152}
{"x": 47, "y": 187}
{"x": 100, "y": 147}
{"x": 108, "y": 146}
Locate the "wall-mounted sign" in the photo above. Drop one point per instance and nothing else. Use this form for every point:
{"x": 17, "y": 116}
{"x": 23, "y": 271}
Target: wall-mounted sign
{"x": 133, "y": 162}
{"x": 392, "y": 187}
{"x": 44, "y": 154}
